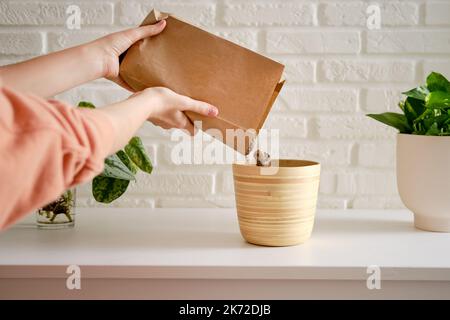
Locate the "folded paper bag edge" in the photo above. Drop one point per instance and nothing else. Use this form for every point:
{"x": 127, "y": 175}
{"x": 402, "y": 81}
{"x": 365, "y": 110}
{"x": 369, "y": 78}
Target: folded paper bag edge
{"x": 274, "y": 97}
{"x": 154, "y": 16}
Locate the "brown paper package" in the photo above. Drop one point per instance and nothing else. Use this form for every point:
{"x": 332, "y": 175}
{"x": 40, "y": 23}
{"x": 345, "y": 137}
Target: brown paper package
{"x": 242, "y": 84}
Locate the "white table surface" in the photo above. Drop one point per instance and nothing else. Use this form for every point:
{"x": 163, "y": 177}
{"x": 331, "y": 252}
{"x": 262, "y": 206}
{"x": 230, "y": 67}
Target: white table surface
{"x": 206, "y": 244}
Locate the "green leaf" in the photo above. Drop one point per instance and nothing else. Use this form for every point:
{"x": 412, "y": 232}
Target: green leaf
{"x": 437, "y": 82}
{"x": 127, "y": 161}
{"x": 413, "y": 108}
{"x": 106, "y": 189}
{"x": 433, "y": 130}
{"x": 417, "y": 105}
{"x": 136, "y": 152}
{"x": 401, "y": 105}
{"x": 85, "y": 104}
{"x": 428, "y": 123}
{"x": 418, "y": 93}
{"x": 442, "y": 119}
{"x": 427, "y": 113}
{"x": 438, "y": 100}
{"x": 409, "y": 112}
{"x": 115, "y": 168}
{"x": 392, "y": 119}
{"x": 447, "y": 121}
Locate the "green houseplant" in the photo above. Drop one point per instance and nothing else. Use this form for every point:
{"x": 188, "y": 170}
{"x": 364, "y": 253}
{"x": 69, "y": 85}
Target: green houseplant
{"x": 426, "y": 109}
{"x": 119, "y": 170}
{"x": 423, "y": 152}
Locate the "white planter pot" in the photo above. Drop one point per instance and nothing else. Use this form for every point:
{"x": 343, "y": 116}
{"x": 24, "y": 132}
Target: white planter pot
{"x": 423, "y": 179}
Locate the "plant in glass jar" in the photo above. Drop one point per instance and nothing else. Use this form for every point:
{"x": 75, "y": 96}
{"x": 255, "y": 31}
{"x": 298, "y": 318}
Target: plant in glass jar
{"x": 59, "y": 213}
{"x": 119, "y": 170}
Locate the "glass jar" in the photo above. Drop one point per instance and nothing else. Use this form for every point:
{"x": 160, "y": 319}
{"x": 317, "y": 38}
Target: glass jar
{"x": 58, "y": 214}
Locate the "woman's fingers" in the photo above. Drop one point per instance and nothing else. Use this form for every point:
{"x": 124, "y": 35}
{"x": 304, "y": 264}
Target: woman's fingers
{"x": 139, "y": 33}
{"x": 200, "y": 107}
{"x": 169, "y": 108}
{"x": 120, "y": 41}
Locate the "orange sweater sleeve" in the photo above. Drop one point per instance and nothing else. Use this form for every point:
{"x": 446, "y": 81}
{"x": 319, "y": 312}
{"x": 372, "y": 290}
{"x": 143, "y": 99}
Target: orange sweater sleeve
{"x": 46, "y": 147}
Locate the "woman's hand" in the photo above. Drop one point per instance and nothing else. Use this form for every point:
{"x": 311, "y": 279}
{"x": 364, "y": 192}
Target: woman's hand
{"x": 167, "y": 108}
{"x": 110, "y": 47}
{"x": 161, "y": 106}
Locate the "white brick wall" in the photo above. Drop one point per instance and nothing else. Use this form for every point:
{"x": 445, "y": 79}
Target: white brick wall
{"x": 336, "y": 70}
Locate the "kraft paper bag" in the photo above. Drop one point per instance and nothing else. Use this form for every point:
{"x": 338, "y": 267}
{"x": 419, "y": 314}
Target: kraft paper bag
{"x": 242, "y": 84}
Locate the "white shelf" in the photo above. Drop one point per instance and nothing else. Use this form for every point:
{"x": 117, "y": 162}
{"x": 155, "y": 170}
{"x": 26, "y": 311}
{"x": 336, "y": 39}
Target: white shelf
{"x": 198, "y": 244}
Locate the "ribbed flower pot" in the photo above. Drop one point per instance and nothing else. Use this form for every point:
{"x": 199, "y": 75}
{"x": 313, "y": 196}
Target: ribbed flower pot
{"x": 277, "y": 209}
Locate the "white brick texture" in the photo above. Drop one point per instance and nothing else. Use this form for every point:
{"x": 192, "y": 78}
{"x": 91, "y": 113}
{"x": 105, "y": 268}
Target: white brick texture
{"x": 289, "y": 126}
{"x": 327, "y": 153}
{"x": 366, "y": 71}
{"x": 408, "y": 41}
{"x": 441, "y": 65}
{"x": 245, "y": 38}
{"x": 173, "y": 184}
{"x": 380, "y": 100}
{"x": 131, "y": 13}
{"x": 37, "y": 13}
{"x": 353, "y": 13}
{"x": 269, "y": 13}
{"x": 61, "y": 40}
{"x": 437, "y": 13}
{"x": 21, "y": 43}
{"x": 337, "y": 70}
{"x": 376, "y": 154}
{"x": 351, "y": 127}
{"x": 312, "y": 42}
{"x": 316, "y": 100}
{"x": 299, "y": 71}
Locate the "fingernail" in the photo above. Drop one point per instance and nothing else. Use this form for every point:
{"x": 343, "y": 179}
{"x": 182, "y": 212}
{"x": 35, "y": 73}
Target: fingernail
{"x": 213, "y": 111}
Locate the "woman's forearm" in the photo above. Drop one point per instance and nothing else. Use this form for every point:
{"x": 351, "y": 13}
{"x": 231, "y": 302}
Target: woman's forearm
{"x": 126, "y": 117}
{"x": 54, "y": 73}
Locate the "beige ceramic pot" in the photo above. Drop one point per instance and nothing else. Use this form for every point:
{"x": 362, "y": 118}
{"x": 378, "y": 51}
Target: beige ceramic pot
{"x": 423, "y": 179}
{"x": 277, "y": 208}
